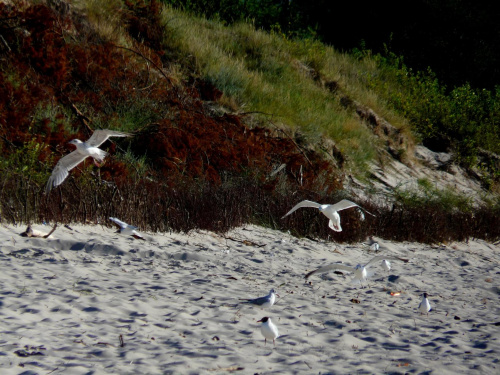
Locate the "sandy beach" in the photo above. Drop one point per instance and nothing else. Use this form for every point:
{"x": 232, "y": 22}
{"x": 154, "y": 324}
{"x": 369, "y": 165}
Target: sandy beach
{"x": 91, "y": 301}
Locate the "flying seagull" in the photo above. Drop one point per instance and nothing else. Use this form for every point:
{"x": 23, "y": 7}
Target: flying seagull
{"x": 330, "y": 211}
{"x": 126, "y": 229}
{"x": 266, "y": 301}
{"x": 83, "y": 150}
{"x": 268, "y": 329}
{"x": 360, "y": 272}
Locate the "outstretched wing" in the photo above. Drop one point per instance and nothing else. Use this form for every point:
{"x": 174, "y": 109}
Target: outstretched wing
{"x": 120, "y": 223}
{"x": 332, "y": 226}
{"x": 345, "y": 203}
{"x": 137, "y": 235}
{"x": 330, "y": 267}
{"x": 303, "y": 204}
{"x": 386, "y": 257}
{"x": 101, "y": 136}
{"x": 62, "y": 168}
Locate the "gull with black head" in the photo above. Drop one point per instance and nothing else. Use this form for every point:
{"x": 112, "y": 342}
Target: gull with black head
{"x": 425, "y": 306}
{"x": 268, "y": 329}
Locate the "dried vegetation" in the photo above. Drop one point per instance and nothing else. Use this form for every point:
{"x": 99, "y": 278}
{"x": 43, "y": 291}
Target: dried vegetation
{"x": 186, "y": 167}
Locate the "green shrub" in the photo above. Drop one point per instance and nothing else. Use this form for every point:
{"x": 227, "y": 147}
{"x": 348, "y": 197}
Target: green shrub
{"x": 23, "y": 177}
{"x": 462, "y": 119}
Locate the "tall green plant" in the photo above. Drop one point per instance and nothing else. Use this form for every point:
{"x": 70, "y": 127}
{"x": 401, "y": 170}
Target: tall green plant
{"x": 463, "y": 119}
{"x": 23, "y": 176}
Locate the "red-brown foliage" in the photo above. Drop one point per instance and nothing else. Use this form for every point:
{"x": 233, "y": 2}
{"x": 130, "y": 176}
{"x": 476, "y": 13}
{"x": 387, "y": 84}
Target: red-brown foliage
{"x": 195, "y": 145}
{"x": 103, "y": 77}
{"x": 94, "y": 74}
{"x": 143, "y": 21}
{"x": 210, "y": 172}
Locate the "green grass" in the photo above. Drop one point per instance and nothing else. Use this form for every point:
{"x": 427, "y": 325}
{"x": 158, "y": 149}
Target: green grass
{"x": 262, "y": 72}
{"x": 426, "y": 193}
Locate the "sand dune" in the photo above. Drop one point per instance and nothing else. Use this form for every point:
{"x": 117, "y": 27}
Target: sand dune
{"x": 91, "y": 301}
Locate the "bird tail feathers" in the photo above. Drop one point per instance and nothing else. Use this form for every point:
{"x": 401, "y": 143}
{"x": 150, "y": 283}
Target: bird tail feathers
{"x": 99, "y": 154}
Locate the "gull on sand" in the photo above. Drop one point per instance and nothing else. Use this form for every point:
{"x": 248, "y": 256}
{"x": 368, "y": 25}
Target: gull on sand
{"x": 373, "y": 244}
{"x": 126, "y": 229}
{"x": 330, "y": 211}
{"x": 360, "y": 271}
{"x": 83, "y": 151}
{"x": 386, "y": 265}
{"x": 268, "y": 329}
{"x": 424, "y": 307}
{"x": 266, "y": 301}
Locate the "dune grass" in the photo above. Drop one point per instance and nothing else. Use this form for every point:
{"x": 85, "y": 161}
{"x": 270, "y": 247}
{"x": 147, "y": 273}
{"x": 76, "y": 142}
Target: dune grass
{"x": 264, "y": 72}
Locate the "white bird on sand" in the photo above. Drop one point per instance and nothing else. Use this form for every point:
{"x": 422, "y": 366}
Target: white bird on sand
{"x": 330, "y": 211}
{"x": 360, "y": 271}
{"x": 379, "y": 245}
{"x": 424, "y": 307}
{"x": 266, "y": 301}
{"x": 374, "y": 245}
{"x": 269, "y": 330}
{"x": 126, "y": 229}
{"x": 83, "y": 150}
{"x": 386, "y": 265}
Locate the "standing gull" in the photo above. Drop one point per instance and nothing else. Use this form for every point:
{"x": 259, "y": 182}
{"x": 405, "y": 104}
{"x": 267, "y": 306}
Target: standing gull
{"x": 83, "y": 150}
{"x": 373, "y": 244}
{"x": 424, "y": 307}
{"x": 269, "y": 330}
{"x": 379, "y": 245}
{"x": 126, "y": 229}
{"x": 266, "y": 301}
{"x": 330, "y": 211}
{"x": 360, "y": 272}
{"x": 386, "y": 265}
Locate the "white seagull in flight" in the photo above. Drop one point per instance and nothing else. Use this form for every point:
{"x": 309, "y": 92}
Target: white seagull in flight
{"x": 330, "y": 211}
{"x": 83, "y": 150}
{"x": 360, "y": 272}
{"x": 126, "y": 229}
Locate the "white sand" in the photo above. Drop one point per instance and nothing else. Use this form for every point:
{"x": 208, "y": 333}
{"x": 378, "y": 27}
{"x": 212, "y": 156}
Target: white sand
{"x": 173, "y": 299}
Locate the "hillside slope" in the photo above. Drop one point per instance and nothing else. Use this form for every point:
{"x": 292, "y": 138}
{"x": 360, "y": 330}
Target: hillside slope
{"x": 200, "y": 156}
